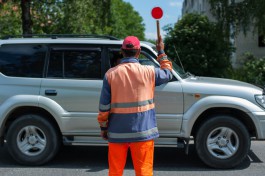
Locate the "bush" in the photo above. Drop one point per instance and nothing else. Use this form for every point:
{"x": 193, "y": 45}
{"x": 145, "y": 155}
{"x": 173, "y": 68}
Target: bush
{"x": 202, "y": 46}
{"x": 252, "y": 70}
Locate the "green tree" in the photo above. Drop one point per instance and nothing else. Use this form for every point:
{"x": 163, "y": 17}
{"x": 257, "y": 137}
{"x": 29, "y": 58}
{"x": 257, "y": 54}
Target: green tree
{"x": 109, "y": 17}
{"x": 101, "y": 17}
{"x": 125, "y": 20}
{"x": 46, "y": 16}
{"x": 28, "y": 16}
{"x": 96, "y": 17}
{"x": 251, "y": 71}
{"x": 85, "y": 17}
{"x": 10, "y": 22}
{"x": 241, "y": 15}
{"x": 77, "y": 17}
{"x": 200, "y": 44}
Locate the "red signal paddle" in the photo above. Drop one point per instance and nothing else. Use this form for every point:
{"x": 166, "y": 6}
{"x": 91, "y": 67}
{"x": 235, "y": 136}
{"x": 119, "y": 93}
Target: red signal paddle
{"x": 157, "y": 13}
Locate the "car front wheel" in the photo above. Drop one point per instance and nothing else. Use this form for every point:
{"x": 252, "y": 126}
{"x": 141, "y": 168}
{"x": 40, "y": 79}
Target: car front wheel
{"x": 222, "y": 142}
{"x": 32, "y": 140}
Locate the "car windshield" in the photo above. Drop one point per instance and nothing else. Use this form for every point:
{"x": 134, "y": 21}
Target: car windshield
{"x": 176, "y": 67}
{"x": 179, "y": 70}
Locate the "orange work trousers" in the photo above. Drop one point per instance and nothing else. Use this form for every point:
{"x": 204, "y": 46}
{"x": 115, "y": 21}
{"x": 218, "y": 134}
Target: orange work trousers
{"x": 142, "y": 154}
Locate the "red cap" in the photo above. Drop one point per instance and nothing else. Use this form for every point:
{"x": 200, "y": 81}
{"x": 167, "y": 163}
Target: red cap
{"x": 131, "y": 42}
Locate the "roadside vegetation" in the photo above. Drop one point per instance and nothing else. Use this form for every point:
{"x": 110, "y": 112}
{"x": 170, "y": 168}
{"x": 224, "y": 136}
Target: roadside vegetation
{"x": 108, "y": 17}
{"x": 251, "y": 70}
{"x": 200, "y": 45}
{"x": 205, "y": 50}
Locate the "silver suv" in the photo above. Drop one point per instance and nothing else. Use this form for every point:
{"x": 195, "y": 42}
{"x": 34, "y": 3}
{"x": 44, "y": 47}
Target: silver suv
{"x": 49, "y": 95}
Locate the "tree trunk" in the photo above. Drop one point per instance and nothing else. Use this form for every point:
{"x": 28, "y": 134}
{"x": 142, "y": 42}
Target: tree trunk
{"x": 26, "y": 17}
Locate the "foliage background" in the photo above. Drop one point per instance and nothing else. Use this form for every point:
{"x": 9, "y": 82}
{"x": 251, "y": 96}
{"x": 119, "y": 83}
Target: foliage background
{"x": 252, "y": 70}
{"x": 241, "y": 15}
{"x": 201, "y": 45}
{"x": 10, "y": 19}
{"x": 108, "y": 17}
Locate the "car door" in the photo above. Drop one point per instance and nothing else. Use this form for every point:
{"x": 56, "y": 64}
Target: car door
{"x": 168, "y": 97}
{"x": 74, "y": 81}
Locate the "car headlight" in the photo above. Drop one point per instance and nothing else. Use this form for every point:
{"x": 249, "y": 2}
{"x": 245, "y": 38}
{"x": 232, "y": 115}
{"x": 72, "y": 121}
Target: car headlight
{"x": 260, "y": 100}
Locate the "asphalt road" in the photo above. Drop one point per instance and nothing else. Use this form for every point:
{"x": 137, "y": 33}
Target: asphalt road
{"x": 92, "y": 161}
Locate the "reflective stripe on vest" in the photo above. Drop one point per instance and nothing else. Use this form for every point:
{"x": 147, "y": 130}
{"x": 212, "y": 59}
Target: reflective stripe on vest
{"x": 141, "y": 134}
{"x": 132, "y": 104}
{"x": 132, "y": 107}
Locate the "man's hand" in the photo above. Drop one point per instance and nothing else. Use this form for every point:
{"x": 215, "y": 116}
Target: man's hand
{"x": 104, "y": 134}
{"x": 159, "y": 44}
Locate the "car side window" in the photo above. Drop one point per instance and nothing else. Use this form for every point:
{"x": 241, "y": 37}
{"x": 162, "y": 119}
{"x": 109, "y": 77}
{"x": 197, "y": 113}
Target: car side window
{"x": 75, "y": 64}
{"x": 144, "y": 59}
{"x": 22, "y": 60}
{"x": 115, "y": 57}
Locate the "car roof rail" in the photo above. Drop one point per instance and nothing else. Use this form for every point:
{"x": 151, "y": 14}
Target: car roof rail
{"x": 56, "y": 36}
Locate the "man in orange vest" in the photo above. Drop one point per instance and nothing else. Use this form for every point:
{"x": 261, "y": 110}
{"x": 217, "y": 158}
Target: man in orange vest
{"x": 126, "y": 111}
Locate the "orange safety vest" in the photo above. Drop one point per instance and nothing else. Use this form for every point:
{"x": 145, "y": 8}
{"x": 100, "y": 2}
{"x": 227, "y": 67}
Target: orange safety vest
{"x": 126, "y": 107}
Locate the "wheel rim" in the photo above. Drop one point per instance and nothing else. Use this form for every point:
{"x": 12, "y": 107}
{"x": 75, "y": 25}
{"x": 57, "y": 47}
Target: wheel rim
{"x": 31, "y": 140}
{"x": 222, "y": 142}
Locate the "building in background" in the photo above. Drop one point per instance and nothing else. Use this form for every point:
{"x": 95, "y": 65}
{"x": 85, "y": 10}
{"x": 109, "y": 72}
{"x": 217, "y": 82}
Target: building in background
{"x": 251, "y": 42}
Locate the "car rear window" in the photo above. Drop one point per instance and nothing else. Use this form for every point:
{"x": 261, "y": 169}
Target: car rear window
{"x": 22, "y": 60}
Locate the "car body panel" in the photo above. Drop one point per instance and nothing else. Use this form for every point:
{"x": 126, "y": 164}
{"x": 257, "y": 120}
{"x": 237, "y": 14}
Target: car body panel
{"x": 80, "y": 99}
{"x": 169, "y": 108}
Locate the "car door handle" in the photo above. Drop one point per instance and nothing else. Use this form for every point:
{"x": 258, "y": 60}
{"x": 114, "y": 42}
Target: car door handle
{"x": 51, "y": 92}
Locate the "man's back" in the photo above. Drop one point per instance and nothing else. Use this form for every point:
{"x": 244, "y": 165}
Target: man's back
{"x": 130, "y": 83}
{"x": 132, "y": 115}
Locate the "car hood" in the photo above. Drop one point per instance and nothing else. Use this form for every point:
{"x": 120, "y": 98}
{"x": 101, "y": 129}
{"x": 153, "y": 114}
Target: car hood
{"x": 219, "y": 86}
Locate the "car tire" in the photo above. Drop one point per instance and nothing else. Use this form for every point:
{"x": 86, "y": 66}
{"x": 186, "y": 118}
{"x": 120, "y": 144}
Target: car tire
{"x": 32, "y": 140}
{"x": 222, "y": 142}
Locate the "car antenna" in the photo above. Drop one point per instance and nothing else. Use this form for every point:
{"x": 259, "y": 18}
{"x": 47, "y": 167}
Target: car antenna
{"x": 178, "y": 58}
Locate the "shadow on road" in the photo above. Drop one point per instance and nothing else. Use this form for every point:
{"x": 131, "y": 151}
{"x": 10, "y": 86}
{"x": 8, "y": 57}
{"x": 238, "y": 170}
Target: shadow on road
{"x": 95, "y": 159}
